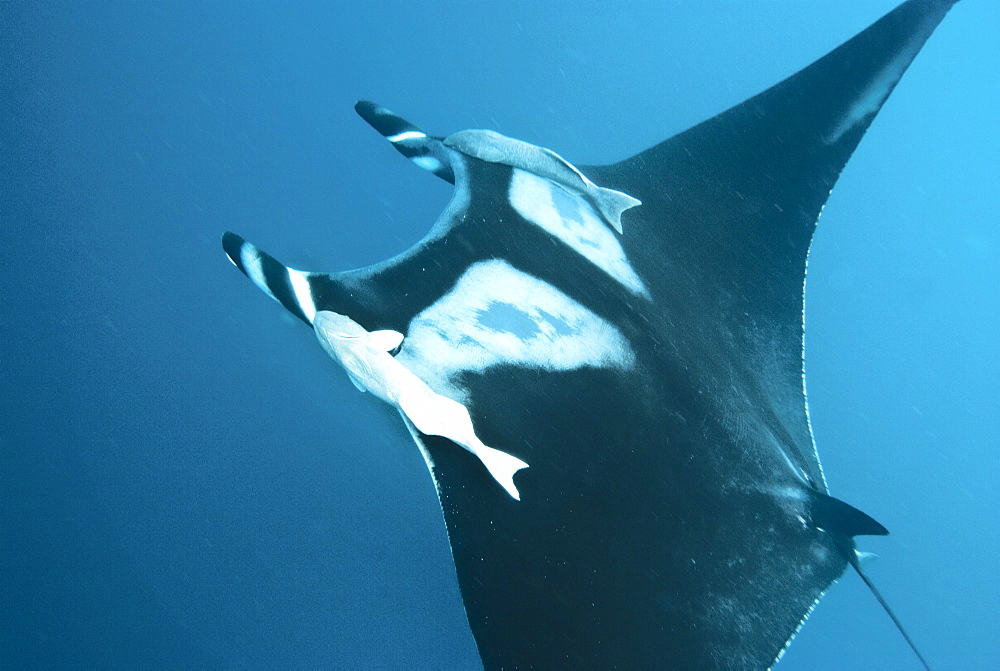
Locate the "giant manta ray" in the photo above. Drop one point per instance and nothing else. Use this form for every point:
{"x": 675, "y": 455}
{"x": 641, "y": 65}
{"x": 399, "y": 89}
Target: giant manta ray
{"x": 602, "y": 366}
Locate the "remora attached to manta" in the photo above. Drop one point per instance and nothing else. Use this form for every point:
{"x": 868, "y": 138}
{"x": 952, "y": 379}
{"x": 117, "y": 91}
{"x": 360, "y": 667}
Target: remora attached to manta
{"x": 639, "y": 487}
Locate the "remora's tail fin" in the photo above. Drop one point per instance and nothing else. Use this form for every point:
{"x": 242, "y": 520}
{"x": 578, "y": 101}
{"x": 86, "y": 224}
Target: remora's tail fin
{"x": 612, "y": 203}
{"x": 437, "y": 415}
{"x": 843, "y": 522}
{"x": 502, "y": 467}
{"x": 288, "y": 286}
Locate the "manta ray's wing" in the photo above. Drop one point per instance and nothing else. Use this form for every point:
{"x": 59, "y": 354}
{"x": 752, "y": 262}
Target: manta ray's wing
{"x": 674, "y": 512}
{"x": 736, "y": 200}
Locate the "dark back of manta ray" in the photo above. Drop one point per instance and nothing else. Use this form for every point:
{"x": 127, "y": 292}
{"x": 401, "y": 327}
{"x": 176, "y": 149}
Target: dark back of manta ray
{"x": 674, "y": 515}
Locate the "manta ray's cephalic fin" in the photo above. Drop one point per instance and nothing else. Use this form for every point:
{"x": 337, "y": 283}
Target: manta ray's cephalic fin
{"x": 408, "y": 140}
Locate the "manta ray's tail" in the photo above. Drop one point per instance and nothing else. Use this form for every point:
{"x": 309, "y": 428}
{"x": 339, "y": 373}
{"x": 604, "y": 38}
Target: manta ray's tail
{"x": 288, "y": 286}
{"x": 855, "y": 561}
{"x": 843, "y": 522}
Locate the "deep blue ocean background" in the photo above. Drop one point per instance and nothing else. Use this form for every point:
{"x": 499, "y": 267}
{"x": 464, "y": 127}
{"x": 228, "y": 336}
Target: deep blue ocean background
{"x": 187, "y": 481}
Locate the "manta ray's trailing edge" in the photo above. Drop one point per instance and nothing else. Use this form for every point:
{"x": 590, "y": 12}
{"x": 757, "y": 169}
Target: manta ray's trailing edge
{"x": 632, "y": 372}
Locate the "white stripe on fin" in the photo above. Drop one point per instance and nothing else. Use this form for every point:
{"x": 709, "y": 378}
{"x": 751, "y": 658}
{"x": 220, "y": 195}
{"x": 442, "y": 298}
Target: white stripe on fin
{"x": 870, "y": 99}
{"x": 407, "y": 135}
{"x": 303, "y": 292}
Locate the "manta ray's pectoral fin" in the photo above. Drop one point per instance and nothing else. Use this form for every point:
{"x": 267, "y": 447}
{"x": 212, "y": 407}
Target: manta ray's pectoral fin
{"x": 424, "y": 150}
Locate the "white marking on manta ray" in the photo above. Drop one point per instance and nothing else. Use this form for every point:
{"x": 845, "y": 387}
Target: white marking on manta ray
{"x": 490, "y": 146}
{"x": 407, "y": 135}
{"x": 250, "y": 258}
{"x": 365, "y": 356}
{"x": 879, "y": 88}
{"x": 570, "y": 218}
{"x": 303, "y": 293}
{"x": 497, "y": 315}
{"x": 427, "y": 162}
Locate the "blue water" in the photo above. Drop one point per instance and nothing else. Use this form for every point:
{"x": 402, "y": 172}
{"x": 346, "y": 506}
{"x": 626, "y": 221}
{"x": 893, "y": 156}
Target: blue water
{"x": 187, "y": 481}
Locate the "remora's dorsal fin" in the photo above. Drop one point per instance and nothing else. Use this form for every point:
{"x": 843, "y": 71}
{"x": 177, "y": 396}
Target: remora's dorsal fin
{"x": 843, "y": 521}
{"x": 408, "y": 140}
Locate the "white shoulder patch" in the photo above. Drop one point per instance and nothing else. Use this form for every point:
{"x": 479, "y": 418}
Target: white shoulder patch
{"x": 498, "y": 315}
{"x": 570, "y": 218}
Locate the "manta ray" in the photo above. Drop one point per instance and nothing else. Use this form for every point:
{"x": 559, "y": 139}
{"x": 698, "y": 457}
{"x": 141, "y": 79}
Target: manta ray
{"x": 603, "y": 369}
